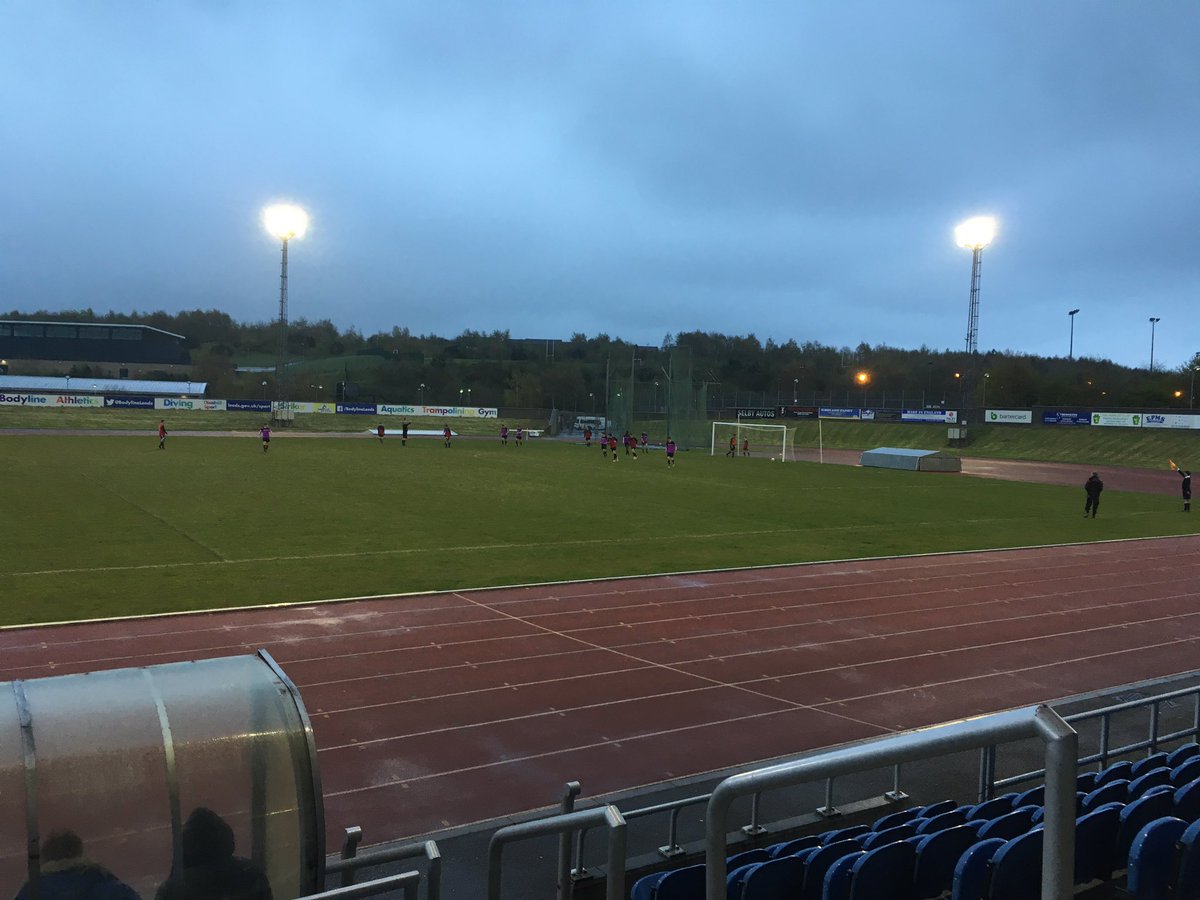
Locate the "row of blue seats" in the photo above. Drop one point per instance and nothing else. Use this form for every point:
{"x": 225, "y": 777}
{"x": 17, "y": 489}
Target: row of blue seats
{"x": 1164, "y": 861}
{"x": 850, "y": 861}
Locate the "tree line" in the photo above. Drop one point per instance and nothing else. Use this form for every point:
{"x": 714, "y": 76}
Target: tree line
{"x": 495, "y": 369}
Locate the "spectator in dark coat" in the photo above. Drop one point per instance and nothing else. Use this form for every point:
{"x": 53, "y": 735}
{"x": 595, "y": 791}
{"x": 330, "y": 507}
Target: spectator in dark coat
{"x": 66, "y": 874}
{"x": 210, "y": 870}
{"x": 1186, "y": 486}
{"x": 1093, "y": 486}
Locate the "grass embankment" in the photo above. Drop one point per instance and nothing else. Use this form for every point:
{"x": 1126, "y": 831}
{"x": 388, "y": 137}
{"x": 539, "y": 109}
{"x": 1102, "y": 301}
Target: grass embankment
{"x": 190, "y": 420}
{"x": 112, "y": 526}
{"x": 1089, "y": 446}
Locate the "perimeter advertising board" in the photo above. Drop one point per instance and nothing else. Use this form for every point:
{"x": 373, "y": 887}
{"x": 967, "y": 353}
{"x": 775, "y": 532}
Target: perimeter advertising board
{"x": 357, "y": 409}
{"x": 296, "y": 406}
{"x": 127, "y": 402}
{"x": 799, "y": 412}
{"x": 199, "y": 404}
{"x": 1117, "y": 420}
{"x": 248, "y": 406}
{"x": 1169, "y": 420}
{"x": 833, "y": 412}
{"x": 47, "y": 400}
{"x": 757, "y": 412}
{"x": 930, "y": 416}
{"x": 1066, "y": 417}
{"x": 1018, "y": 416}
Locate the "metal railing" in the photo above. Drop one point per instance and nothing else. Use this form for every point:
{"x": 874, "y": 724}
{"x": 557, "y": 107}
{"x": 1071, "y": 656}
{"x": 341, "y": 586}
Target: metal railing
{"x": 405, "y": 881}
{"x": 1061, "y": 744}
{"x": 989, "y": 783}
{"x": 564, "y": 823}
{"x": 351, "y": 861}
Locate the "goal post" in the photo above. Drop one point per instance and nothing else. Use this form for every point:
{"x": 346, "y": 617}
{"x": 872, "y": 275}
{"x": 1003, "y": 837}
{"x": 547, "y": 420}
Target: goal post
{"x": 751, "y": 439}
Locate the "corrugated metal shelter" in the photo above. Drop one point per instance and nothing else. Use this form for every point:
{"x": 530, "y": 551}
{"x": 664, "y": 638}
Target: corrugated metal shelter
{"x": 88, "y": 385}
{"x": 911, "y": 460}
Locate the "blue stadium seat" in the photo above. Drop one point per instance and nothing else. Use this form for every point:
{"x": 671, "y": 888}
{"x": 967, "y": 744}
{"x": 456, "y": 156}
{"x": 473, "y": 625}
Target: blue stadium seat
{"x": 944, "y": 821}
{"x": 937, "y": 855}
{"x": 1187, "y": 885}
{"x": 1017, "y": 868}
{"x": 1116, "y": 772}
{"x": 936, "y": 809}
{"x": 1186, "y": 771}
{"x": 838, "y": 878}
{"x": 1187, "y": 801}
{"x": 890, "y": 835}
{"x": 1095, "y": 843}
{"x": 678, "y": 884}
{"x": 819, "y": 862}
{"x": 1152, "y": 859}
{"x": 735, "y": 880}
{"x": 788, "y": 848}
{"x": 1113, "y": 791}
{"x": 841, "y": 834}
{"x": 1086, "y": 782}
{"x": 1145, "y": 781}
{"x": 974, "y": 869}
{"x": 1009, "y": 826}
{"x": 746, "y": 857}
{"x": 1155, "y": 804}
{"x": 772, "y": 880}
{"x": 1035, "y": 796}
{"x": 989, "y": 809}
{"x": 896, "y": 818}
{"x": 1040, "y": 812}
{"x": 885, "y": 873}
{"x": 1182, "y": 754}
{"x": 1142, "y": 766}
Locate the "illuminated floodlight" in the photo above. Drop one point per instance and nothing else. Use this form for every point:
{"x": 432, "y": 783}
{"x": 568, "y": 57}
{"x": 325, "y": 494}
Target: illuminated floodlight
{"x": 863, "y": 377}
{"x": 976, "y": 233}
{"x": 285, "y": 221}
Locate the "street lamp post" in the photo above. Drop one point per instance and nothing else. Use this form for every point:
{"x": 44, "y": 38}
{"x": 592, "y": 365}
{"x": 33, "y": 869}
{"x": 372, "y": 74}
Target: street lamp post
{"x": 264, "y": 387}
{"x": 592, "y": 394}
{"x": 986, "y": 376}
{"x": 863, "y": 379}
{"x": 421, "y": 395}
{"x": 1154, "y": 320}
{"x": 1071, "y": 350}
{"x": 655, "y": 396}
{"x": 1192, "y": 392}
{"x": 285, "y": 221}
{"x": 795, "y": 386}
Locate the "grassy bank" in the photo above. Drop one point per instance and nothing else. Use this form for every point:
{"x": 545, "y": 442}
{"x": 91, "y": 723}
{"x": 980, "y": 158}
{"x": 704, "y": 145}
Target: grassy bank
{"x": 1143, "y": 447}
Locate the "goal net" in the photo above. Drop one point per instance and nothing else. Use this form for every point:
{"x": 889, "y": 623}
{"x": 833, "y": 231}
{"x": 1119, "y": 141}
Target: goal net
{"x": 747, "y": 439}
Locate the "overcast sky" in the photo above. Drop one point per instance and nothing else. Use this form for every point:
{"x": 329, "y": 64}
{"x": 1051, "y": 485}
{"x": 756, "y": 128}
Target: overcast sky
{"x": 791, "y": 169}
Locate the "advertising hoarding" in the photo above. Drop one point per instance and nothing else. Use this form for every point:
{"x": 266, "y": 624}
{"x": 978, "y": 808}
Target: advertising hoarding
{"x": 1018, "y": 416}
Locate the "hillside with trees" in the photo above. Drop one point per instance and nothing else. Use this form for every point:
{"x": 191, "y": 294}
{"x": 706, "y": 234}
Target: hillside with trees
{"x": 496, "y": 369}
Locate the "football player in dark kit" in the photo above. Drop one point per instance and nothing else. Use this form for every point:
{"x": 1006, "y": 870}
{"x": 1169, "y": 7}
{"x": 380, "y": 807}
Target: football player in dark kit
{"x": 1093, "y": 486}
{"x": 1185, "y": 486}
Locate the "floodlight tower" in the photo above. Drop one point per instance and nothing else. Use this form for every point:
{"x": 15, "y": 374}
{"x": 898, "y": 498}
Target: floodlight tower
{"x": 285, "y": 221}
{"x": 974, "y": 234}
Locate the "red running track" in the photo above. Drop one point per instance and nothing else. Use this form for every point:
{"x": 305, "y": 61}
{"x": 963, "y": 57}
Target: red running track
{"x": 439, "y": 710}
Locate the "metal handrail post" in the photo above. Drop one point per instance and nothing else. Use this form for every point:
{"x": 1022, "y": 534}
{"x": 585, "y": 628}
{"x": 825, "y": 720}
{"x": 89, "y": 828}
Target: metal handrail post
{"x": 1154, "y": 713}
{"x": 571, "y": 790}
{"x": 1061, "y": 742}
{"x": 829, "y": 810}
{"x": 754, "y": 829}
{"x": 895, "y": 794}
{"x": 1105, "y": 726}
{"x": 350, "y": 841}
{"x": 672, "y": 848}
{"x": 608, "y": 816}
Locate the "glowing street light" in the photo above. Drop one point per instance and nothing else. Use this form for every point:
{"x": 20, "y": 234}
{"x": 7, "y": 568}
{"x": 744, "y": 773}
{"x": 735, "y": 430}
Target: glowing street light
{"x": 421, "y": 394}
{"x": 863, "y": 379}
{"x": 285, "y": 221}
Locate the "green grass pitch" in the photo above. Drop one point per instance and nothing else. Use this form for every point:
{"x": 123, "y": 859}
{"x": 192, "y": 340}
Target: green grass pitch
{"x": 100, "y": 526}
